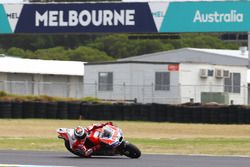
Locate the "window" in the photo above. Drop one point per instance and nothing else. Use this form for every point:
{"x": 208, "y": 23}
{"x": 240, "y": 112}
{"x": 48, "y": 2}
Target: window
{"x": 232, "y": 84}
{"x": 162, "y": 81}
{"x": 105, "y": 81}
{"x": 210, "y": 73}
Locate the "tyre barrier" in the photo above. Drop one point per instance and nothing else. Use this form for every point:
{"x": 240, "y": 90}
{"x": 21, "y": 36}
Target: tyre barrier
{"x": 127, "y": 112}
{"x": 28, "y": 109}
{"x": 171, "y": 117}
{"x": 74, "y": 110}
{"x": 108, "y": 112}
{"x": 118, "y": 111}
{"x": 40, "y": 109}
{"x": 215, "y": 114}
{"x": 84, "y": 108}
{"x": 51, "y": 111}
{"x": 5, "y": 109}
{"x": 16, "y": 109}
{"x": 145, "y": 112}
{"x": 62, "y": 110}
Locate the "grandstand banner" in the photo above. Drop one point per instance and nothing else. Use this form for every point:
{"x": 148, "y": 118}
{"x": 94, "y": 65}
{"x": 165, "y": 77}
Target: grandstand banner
{"x": 140, "y": 17}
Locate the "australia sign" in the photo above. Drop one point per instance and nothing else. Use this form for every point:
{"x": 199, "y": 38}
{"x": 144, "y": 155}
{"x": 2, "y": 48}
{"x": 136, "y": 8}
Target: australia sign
{"x": 150, "y": 17}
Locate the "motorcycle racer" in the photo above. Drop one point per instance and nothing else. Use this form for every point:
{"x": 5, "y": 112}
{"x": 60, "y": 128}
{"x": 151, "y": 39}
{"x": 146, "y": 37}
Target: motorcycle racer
{"x": 80, "y": 136}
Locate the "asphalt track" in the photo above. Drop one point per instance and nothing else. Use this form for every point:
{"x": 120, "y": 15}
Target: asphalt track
{"x": 147, "y": 160}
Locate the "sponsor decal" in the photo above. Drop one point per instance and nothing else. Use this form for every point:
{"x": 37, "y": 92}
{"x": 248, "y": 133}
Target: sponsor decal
{"x": 173, "y": 67}
{"x": 220, "y": 16}
{"x": 13, "y": 14}
{"x": 217, "y": 17}
{"x": 158, "y": 11}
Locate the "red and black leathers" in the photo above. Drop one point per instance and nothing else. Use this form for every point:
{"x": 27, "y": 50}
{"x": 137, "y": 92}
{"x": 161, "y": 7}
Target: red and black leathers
{"x": 93, "y": 133}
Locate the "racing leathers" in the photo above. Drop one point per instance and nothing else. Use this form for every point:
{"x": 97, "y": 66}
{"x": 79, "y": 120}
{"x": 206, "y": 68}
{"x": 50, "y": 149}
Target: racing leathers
{"x": 79, "y": 146}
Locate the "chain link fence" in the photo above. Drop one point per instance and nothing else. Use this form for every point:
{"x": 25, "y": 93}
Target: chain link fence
{"x": 175, "y": 94}
{"x": 60, "y": 89}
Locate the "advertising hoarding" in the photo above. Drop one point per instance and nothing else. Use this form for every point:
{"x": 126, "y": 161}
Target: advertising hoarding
{"x": 138, "y": 17}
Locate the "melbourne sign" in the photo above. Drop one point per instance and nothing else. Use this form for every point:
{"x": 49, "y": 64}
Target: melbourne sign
{"x": 85, "y": 18}
{"x": 149, "y": 17}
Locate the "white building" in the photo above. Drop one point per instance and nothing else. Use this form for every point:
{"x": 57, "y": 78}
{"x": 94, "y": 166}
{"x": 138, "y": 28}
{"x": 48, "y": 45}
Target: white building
{"x": 41, "y": 77}
{"x": 176, "y": 76}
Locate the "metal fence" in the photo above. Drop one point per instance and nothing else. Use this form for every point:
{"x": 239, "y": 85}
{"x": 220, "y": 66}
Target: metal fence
{"x": 174, "y": 95}
{"x": 141, "y": 93}
{"x": 61, "y": 89}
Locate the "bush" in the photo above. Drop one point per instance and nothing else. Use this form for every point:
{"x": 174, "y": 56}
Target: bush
{"x": 45, "y": 98}
{"x": 91, "y": 99}
{"x": 2, "y": 94}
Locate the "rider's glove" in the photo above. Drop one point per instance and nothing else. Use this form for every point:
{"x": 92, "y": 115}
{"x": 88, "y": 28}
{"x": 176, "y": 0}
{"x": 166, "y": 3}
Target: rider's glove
{"x": 89, "y": 152}
{"x": 79, "y": 151}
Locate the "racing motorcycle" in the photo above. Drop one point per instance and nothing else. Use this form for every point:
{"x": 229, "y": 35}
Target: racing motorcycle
{"x": 110, "y": 137}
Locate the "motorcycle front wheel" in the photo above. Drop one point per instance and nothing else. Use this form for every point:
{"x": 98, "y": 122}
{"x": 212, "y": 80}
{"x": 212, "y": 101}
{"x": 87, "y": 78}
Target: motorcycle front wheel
{"x": 130, "y": 150}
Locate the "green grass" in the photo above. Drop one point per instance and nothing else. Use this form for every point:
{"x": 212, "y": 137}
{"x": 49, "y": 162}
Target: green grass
{"x": 213, "y": 146}
{"x": 150, "y": 137}
{"x": 217, "y": 146}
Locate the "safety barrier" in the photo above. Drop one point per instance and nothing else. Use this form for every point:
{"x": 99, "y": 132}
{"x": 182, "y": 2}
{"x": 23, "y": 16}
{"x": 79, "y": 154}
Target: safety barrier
{"x": 195, "y": 113}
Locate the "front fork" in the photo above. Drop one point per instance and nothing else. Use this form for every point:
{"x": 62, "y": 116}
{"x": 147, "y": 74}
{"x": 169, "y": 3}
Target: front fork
{"x": 121, "y": 147}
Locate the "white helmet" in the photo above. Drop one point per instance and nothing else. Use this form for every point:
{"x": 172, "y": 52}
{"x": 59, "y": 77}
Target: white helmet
{"x": 80, "y": 133}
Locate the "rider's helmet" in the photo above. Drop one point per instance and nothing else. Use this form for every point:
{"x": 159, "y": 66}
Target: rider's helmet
{"x": 80, "y": 133}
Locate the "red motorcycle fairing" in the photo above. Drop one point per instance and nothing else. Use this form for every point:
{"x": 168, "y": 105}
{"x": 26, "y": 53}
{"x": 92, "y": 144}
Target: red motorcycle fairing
{"x": 109, "y": 136}
{"x": 94, "y": 136}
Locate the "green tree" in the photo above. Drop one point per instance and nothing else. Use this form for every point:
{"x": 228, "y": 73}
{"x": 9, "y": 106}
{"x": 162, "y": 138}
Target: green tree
{"x": 88, "y": 54}
{"x": 57, "y": 53}
{"x": 120, "y": 46}
{"x": 206, "y": 41}
{"x": 16, "y": 52}
{"x": 82, "y": 53}
{"x": 101, "y": 47}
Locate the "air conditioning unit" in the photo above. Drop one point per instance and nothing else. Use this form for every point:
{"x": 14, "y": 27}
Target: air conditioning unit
{"x": 219, "y": 73}
{"x": 226, "y": 74}
{"x": 203, "y": 73}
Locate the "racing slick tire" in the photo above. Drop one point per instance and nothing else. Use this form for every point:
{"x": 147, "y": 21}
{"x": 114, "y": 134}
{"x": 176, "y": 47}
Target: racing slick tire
{"x": 130, "y": 150}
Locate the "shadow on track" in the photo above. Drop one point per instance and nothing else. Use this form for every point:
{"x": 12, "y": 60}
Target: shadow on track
{"x": 96, "y": 157}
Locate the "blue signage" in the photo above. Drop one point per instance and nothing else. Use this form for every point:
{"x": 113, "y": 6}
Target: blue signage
{"x": 93, "y": 17}
{"x": 207, "y": 17}
{"x": 151, "y": 17}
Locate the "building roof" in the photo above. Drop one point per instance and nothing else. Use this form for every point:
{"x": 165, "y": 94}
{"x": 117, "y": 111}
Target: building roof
{"x": 193, "y": 55}
{"x": 36, "y": 66}
{"x": 127, "y": 62}
{"x": 196, "y": 55}
{"x": 226, "y": 52}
